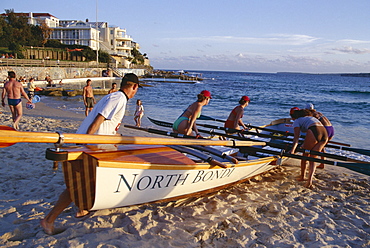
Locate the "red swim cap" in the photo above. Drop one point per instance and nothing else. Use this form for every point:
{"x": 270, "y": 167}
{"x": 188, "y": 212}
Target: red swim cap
{"x": 206, "y": 93}
{"x": 246, "y": 98}
{"x": 293, "y": 109}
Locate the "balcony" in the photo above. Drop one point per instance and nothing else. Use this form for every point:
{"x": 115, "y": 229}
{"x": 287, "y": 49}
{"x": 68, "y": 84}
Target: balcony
{"x": 123, "y": 37}
{"x": 123, "y": 47}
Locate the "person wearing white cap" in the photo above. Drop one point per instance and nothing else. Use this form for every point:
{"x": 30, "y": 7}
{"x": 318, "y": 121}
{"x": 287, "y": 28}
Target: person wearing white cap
{"x": 309, "y": 106}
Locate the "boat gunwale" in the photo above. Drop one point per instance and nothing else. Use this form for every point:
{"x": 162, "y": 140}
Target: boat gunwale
{"x": 197, "y": 166}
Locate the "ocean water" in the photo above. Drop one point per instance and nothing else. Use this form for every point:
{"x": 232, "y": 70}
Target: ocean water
{"x": 344, "y": 100}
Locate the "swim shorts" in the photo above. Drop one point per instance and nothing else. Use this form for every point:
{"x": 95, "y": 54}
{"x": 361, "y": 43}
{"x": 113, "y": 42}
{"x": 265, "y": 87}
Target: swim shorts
{"x": 89, "y": 102}
{"x": 14, "y": 102}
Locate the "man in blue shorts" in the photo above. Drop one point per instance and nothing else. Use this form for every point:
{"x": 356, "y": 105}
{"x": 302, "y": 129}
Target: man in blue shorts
{"x": 14, "y": 90}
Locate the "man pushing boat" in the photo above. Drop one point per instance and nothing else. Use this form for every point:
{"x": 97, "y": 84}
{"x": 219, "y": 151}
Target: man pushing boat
{"x": 104, "y": 119}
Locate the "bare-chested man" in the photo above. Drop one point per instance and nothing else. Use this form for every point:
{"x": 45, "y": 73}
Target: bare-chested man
{"x": 88, "y": 96}
{"x": 14, "y": 90}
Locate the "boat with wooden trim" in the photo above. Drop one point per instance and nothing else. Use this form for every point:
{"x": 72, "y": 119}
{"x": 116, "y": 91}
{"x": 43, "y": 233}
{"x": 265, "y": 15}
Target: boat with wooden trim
{"x": 129, "y": 170}
{"x": 109, "y": 176}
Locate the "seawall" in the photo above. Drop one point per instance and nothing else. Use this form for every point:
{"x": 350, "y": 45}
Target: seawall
{"x": 58, "y": 73}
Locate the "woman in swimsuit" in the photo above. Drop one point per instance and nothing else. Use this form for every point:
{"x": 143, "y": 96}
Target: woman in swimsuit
{"x": 235, "y": 118}
{"x": 316, "y": 138}
{"x": 185, "y": 124}
{"x": 325, "y": 122}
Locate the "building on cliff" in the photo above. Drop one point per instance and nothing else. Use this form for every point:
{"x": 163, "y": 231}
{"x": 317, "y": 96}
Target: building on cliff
{"x": 97, "y": 35}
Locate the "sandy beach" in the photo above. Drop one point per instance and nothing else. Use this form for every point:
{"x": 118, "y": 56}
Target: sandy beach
{"x": 271, "y": 210}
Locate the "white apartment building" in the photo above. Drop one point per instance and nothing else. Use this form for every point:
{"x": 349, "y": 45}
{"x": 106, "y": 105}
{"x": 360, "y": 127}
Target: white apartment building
{"x": 76, "y": 33}
{"x": 38, "y": 18}
{"x": 97, "y": 35}
{"x": 117, "y": 43}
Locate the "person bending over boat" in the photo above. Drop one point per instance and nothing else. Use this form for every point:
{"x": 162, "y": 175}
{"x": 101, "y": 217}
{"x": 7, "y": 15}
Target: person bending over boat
{"x": 185, "y": 124}
{"x": 104, "y": 119}
{"x": 234, "y": 120}
{"x": 325, "y": 121}
{"x": 315, "y": 140}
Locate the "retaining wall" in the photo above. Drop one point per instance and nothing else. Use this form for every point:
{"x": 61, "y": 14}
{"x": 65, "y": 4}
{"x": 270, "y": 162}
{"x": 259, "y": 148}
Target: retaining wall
{"x": 57, "y": 73}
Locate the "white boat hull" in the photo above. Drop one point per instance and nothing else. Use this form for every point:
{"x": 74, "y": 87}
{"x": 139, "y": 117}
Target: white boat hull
{"x": 130, "y": 175}
{"x": 118, "y": 187}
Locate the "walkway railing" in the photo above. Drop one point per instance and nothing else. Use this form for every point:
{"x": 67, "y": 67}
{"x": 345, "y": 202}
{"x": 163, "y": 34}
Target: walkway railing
{"x": 49, "y": 63}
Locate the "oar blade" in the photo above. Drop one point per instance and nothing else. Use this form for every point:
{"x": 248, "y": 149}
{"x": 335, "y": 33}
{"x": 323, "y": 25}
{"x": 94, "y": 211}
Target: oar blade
{"x": 208, "y": 118}
{"x": 357, "y": 150}
{"x": 160, "y": 123}
{"x": 358, "y": 167}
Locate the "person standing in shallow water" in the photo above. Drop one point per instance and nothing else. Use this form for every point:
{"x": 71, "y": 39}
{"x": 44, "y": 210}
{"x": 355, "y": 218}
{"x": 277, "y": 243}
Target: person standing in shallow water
{"x": 14, "y": 91}
{"x": 104, "y": 119}
{"x": 88, "y": 96}
{"x": 31, "y": 88}
{"x": 139, "y": 113}
{"x": 113, "y": 89}
{"x": 185, "y": 124}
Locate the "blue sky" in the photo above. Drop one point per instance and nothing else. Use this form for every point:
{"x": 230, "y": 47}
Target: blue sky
{"x": 315, "y": 36}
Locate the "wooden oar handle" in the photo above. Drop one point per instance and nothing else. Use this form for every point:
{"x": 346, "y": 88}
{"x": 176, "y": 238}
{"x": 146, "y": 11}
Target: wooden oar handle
{"x": 217, "y": 163}
{"x": 10, "y": 136}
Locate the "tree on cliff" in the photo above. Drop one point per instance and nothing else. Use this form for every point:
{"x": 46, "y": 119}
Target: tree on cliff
{"x": 138, "y": 58}
{"x": 15, "y": 32}
{"x": 46, "y": 32}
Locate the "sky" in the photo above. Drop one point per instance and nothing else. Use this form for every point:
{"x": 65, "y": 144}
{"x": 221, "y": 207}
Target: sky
{"x": 315, "y": 36}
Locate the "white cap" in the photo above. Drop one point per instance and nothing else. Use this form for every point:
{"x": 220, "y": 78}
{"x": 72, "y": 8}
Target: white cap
{"x": 309, "y": 106}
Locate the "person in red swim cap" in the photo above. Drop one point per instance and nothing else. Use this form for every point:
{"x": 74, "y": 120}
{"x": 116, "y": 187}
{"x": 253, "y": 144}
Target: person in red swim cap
{"x": 185, "y": 124}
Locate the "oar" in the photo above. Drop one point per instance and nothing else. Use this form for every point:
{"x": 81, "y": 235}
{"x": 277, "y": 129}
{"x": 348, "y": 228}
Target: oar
{"x": 231, "y": 130}
{"x": 359, "y": 167}
{"x": 286, "y": 146}
{"x": 177, "y": 135}
{"x": 10, "y": 137}
{"x": 208, "y": 118}
{"x": 228, "y": 130}
{"x": 216, "y": 152}
{"x": 338, "y": 157}
{"x": 161, "y": 132}
{"x": 204, "y": 157}
{"x": 160, "y": 123}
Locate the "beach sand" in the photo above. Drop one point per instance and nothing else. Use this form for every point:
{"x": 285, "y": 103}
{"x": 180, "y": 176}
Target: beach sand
{"x": 271, "y": 210}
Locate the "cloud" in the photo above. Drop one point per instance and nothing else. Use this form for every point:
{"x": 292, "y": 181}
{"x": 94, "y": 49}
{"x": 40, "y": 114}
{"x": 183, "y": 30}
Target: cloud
{"x": 351, "y": 50}
{"x": 261, "y": 63}
{"x": 275, "y": 39}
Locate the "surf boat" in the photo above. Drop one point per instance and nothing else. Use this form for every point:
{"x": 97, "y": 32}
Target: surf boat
{"x": 128, "y": 170}
{"x": 110, "y": 176}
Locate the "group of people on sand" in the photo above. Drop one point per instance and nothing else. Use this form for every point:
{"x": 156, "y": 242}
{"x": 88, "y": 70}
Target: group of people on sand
{"x": 105, "y": 116}
{"x": 317, "y": 127}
